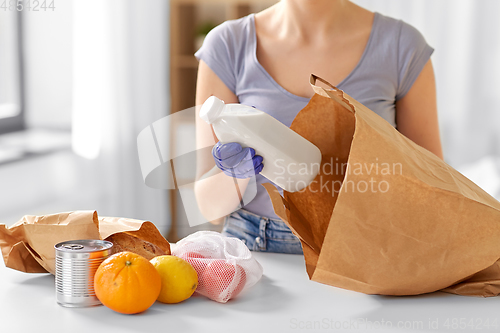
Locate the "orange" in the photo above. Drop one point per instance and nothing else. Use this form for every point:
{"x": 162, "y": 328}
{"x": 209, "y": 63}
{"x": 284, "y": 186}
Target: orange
{"x": 127, "y": 283}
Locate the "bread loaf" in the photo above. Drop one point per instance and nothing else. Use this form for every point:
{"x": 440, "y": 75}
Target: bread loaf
{"x": 125, "y": 242}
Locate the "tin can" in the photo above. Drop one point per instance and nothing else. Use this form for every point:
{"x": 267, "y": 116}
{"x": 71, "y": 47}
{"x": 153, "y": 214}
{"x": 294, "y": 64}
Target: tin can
{"x": 76, "y": 264}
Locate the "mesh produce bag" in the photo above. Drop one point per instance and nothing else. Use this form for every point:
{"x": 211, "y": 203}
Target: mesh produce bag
{"x": 224, "y": 264}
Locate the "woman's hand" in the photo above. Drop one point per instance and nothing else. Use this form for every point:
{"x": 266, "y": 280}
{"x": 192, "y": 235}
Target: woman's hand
{"x": 236, "y": 161}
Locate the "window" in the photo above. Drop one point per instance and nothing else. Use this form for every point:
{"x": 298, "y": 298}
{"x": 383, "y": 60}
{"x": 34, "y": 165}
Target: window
{"x": 11, "y": 96}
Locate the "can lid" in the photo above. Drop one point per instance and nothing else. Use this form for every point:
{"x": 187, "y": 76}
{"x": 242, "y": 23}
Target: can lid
{"x": 83, "y": 245}
{"x": 211, "y": 109}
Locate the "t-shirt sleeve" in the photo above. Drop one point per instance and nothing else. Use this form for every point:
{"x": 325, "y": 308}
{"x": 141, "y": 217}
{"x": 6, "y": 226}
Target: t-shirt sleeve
{"x": 413, "y": 54}
{"x": 217, "y": 52}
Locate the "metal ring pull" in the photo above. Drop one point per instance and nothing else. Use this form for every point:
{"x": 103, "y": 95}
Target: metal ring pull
{"x": 73, "y": 246}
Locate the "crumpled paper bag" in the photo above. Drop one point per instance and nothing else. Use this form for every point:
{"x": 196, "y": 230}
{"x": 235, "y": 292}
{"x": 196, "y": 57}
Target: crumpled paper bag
{"x": 397, "y": 220}
{"x": 28, "y": 245}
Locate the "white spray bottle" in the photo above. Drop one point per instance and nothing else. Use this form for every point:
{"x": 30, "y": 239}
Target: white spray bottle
{"x": 290, "y": 161}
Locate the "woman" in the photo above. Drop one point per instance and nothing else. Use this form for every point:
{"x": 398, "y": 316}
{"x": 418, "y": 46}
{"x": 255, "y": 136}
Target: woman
{"x": 265, "y": 60}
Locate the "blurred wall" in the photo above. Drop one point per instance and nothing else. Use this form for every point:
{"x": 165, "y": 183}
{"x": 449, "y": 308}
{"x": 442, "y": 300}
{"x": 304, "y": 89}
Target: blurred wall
{"x": 111, "y": 183}
{"x": 48, "y": 65}
{"x": 466, "y": 37}
{"x": 49, "y": 184}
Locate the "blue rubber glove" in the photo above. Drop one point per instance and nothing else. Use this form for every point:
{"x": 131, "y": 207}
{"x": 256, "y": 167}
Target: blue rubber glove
{"x": 236, "y": 161}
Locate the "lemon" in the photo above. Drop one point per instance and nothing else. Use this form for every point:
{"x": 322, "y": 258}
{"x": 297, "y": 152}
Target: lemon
{"x": 178, "y": 278}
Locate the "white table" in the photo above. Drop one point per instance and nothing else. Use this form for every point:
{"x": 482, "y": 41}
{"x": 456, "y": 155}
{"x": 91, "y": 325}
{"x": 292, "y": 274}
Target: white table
{"x": 284, "y": 300}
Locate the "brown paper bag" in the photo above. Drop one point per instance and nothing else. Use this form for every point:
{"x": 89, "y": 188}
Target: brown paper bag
{"x": 144, "y": 230}
{"x": 384, "y": 215}
{"x": 28, "y": 245}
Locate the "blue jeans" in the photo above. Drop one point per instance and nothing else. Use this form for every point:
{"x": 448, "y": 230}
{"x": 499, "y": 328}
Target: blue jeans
{"x": 261, "y": 233}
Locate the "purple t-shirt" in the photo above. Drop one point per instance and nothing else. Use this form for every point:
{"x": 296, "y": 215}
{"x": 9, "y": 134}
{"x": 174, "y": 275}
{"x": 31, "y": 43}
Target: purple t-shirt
{"x": 392, "y": 60}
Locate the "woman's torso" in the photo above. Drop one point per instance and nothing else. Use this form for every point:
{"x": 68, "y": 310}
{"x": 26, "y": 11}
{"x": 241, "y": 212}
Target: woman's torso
{"x": 383, "y": 74}
{"x": 290, "y": 51}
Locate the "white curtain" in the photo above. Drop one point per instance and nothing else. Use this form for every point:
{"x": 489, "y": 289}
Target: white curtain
{"x": 466, "y": 37}
{"x": 120, "y": 87}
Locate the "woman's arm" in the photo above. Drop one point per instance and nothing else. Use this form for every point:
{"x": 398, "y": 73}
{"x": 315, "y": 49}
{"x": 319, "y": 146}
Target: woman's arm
{"x": 416, "y": 112}
{"x": 215, "y": 192}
